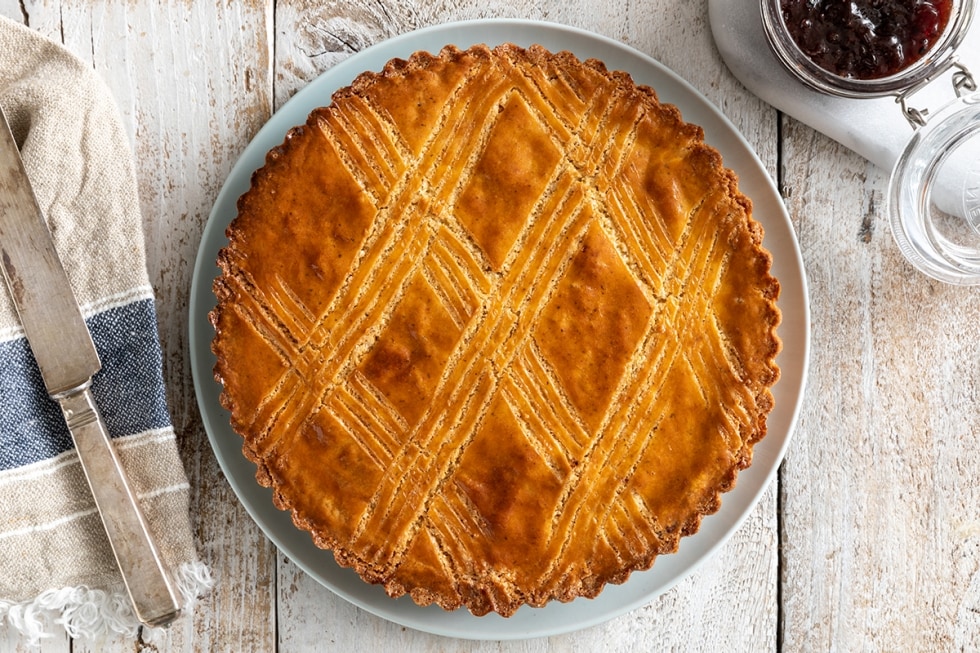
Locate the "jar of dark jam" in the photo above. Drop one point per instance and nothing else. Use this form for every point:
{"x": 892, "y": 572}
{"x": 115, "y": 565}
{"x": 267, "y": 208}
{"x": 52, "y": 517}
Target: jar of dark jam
{"x": 866, "y": 48}
{"x": 862, "y": 49}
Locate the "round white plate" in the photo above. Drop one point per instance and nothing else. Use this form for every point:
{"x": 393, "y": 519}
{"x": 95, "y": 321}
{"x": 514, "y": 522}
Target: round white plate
{"x": 642, "y": 587}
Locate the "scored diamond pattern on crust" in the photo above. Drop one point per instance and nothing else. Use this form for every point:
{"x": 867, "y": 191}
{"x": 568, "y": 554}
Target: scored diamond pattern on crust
{"x": 443, "y": 402}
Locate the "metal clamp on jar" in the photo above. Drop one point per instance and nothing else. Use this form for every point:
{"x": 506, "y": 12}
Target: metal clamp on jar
{"x": 825, "y": 68}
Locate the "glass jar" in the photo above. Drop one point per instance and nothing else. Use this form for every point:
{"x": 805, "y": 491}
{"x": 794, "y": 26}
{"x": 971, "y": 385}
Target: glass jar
{"x": 934, "y": 190}
{"x": 941, "y": 162}
{"x": 938, "y": 58}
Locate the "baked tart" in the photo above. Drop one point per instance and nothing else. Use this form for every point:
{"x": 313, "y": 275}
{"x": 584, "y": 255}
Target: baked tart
{"x": 496, "y": 326}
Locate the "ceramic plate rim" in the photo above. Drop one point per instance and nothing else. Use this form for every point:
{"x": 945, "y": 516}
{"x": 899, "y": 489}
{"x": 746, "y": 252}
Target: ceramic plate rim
{"x": 642, "y": 587}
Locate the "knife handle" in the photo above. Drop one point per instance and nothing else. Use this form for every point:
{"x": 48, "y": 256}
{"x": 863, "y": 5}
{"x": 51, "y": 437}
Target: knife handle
{"x": 143, "y": 570}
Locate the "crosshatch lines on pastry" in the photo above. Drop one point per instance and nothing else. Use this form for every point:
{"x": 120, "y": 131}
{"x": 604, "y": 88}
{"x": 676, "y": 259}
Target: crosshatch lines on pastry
{"x": 368, "y": 421}
{"x": 279, "y": 332}
{"x": 444, "y": 155}
{"x": 563, "y": 240}
{"x": 370, "y": 137}
{"x": 592, "y": 147}
{"x": 316, "y": 368}
{"x": 466, "y": 520}
{"x": 393, "y": 236}
{"x": 259, "y": 316}
{"x": 486, "y": 332}
{"x": 377, "y": 406}
{"x": 564, "y": 103}
{"x": 556, "y": 240}
{"x": 367, "y": 148}
{"x": 648, "y": 243}
{"x": 283, "y": 332}
{"x": 546, "y": 438}
{"x": 451, "y": 285}
{"x": 548, "y": 407}
{"x": 629, "y": 536}
{"x": 621, "y": 443}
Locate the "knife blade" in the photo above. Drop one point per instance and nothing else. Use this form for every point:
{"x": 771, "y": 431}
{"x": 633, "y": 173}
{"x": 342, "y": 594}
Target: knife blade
{"x": 67, "y": 358}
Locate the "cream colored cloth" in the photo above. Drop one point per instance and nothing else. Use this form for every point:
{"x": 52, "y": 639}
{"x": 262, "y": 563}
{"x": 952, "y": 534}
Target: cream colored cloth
{"x": 56, "y": 567}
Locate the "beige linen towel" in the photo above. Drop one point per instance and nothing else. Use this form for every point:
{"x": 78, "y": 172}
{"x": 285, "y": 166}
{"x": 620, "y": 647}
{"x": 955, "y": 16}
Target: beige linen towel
{"x": 56, "y": 567}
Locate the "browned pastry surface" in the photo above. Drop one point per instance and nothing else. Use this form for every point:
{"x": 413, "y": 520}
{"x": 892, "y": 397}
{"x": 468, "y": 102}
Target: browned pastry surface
{"x": 497, "y": 327}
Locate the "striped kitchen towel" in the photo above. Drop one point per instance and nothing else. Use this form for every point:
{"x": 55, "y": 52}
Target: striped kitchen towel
{"x": 56, "y": 568}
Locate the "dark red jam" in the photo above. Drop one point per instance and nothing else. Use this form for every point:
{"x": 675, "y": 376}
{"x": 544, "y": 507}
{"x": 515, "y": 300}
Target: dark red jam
{"x": 865, "y": 39}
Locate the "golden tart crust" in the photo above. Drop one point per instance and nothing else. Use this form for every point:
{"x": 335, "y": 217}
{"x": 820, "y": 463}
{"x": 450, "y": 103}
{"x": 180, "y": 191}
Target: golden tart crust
{"x": 497, "y": 327}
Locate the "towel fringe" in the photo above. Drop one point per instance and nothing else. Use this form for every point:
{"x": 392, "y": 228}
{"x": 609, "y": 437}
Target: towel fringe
{"x": 85, "y": 613}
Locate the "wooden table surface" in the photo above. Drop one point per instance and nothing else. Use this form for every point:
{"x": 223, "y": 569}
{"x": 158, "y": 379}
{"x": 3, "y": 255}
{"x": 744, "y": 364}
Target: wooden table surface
{"x": 869, "y": 538}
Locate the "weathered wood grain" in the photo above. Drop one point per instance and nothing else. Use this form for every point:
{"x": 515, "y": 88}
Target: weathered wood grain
{"x": 880, "y": 502}
{"x": 200, "y": 88}
{"x": 11, "y": 642}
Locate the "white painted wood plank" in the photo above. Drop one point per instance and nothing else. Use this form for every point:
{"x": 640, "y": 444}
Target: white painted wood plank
{"x": 12, "y": 9}
{"x": 193, "y": 80}
{"x": 881, "y": 545}
{"x": 12, "y": 642}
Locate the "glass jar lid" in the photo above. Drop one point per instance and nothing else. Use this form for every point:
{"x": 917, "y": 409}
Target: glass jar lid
{"x": 934, "y": 194}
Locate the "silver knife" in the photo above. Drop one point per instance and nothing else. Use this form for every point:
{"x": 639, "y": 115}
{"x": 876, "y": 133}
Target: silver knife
{"x": 67, "y": 358}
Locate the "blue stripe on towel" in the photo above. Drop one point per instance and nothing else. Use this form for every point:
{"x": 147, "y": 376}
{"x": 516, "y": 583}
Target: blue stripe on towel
{"x": 128, "y": 389}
